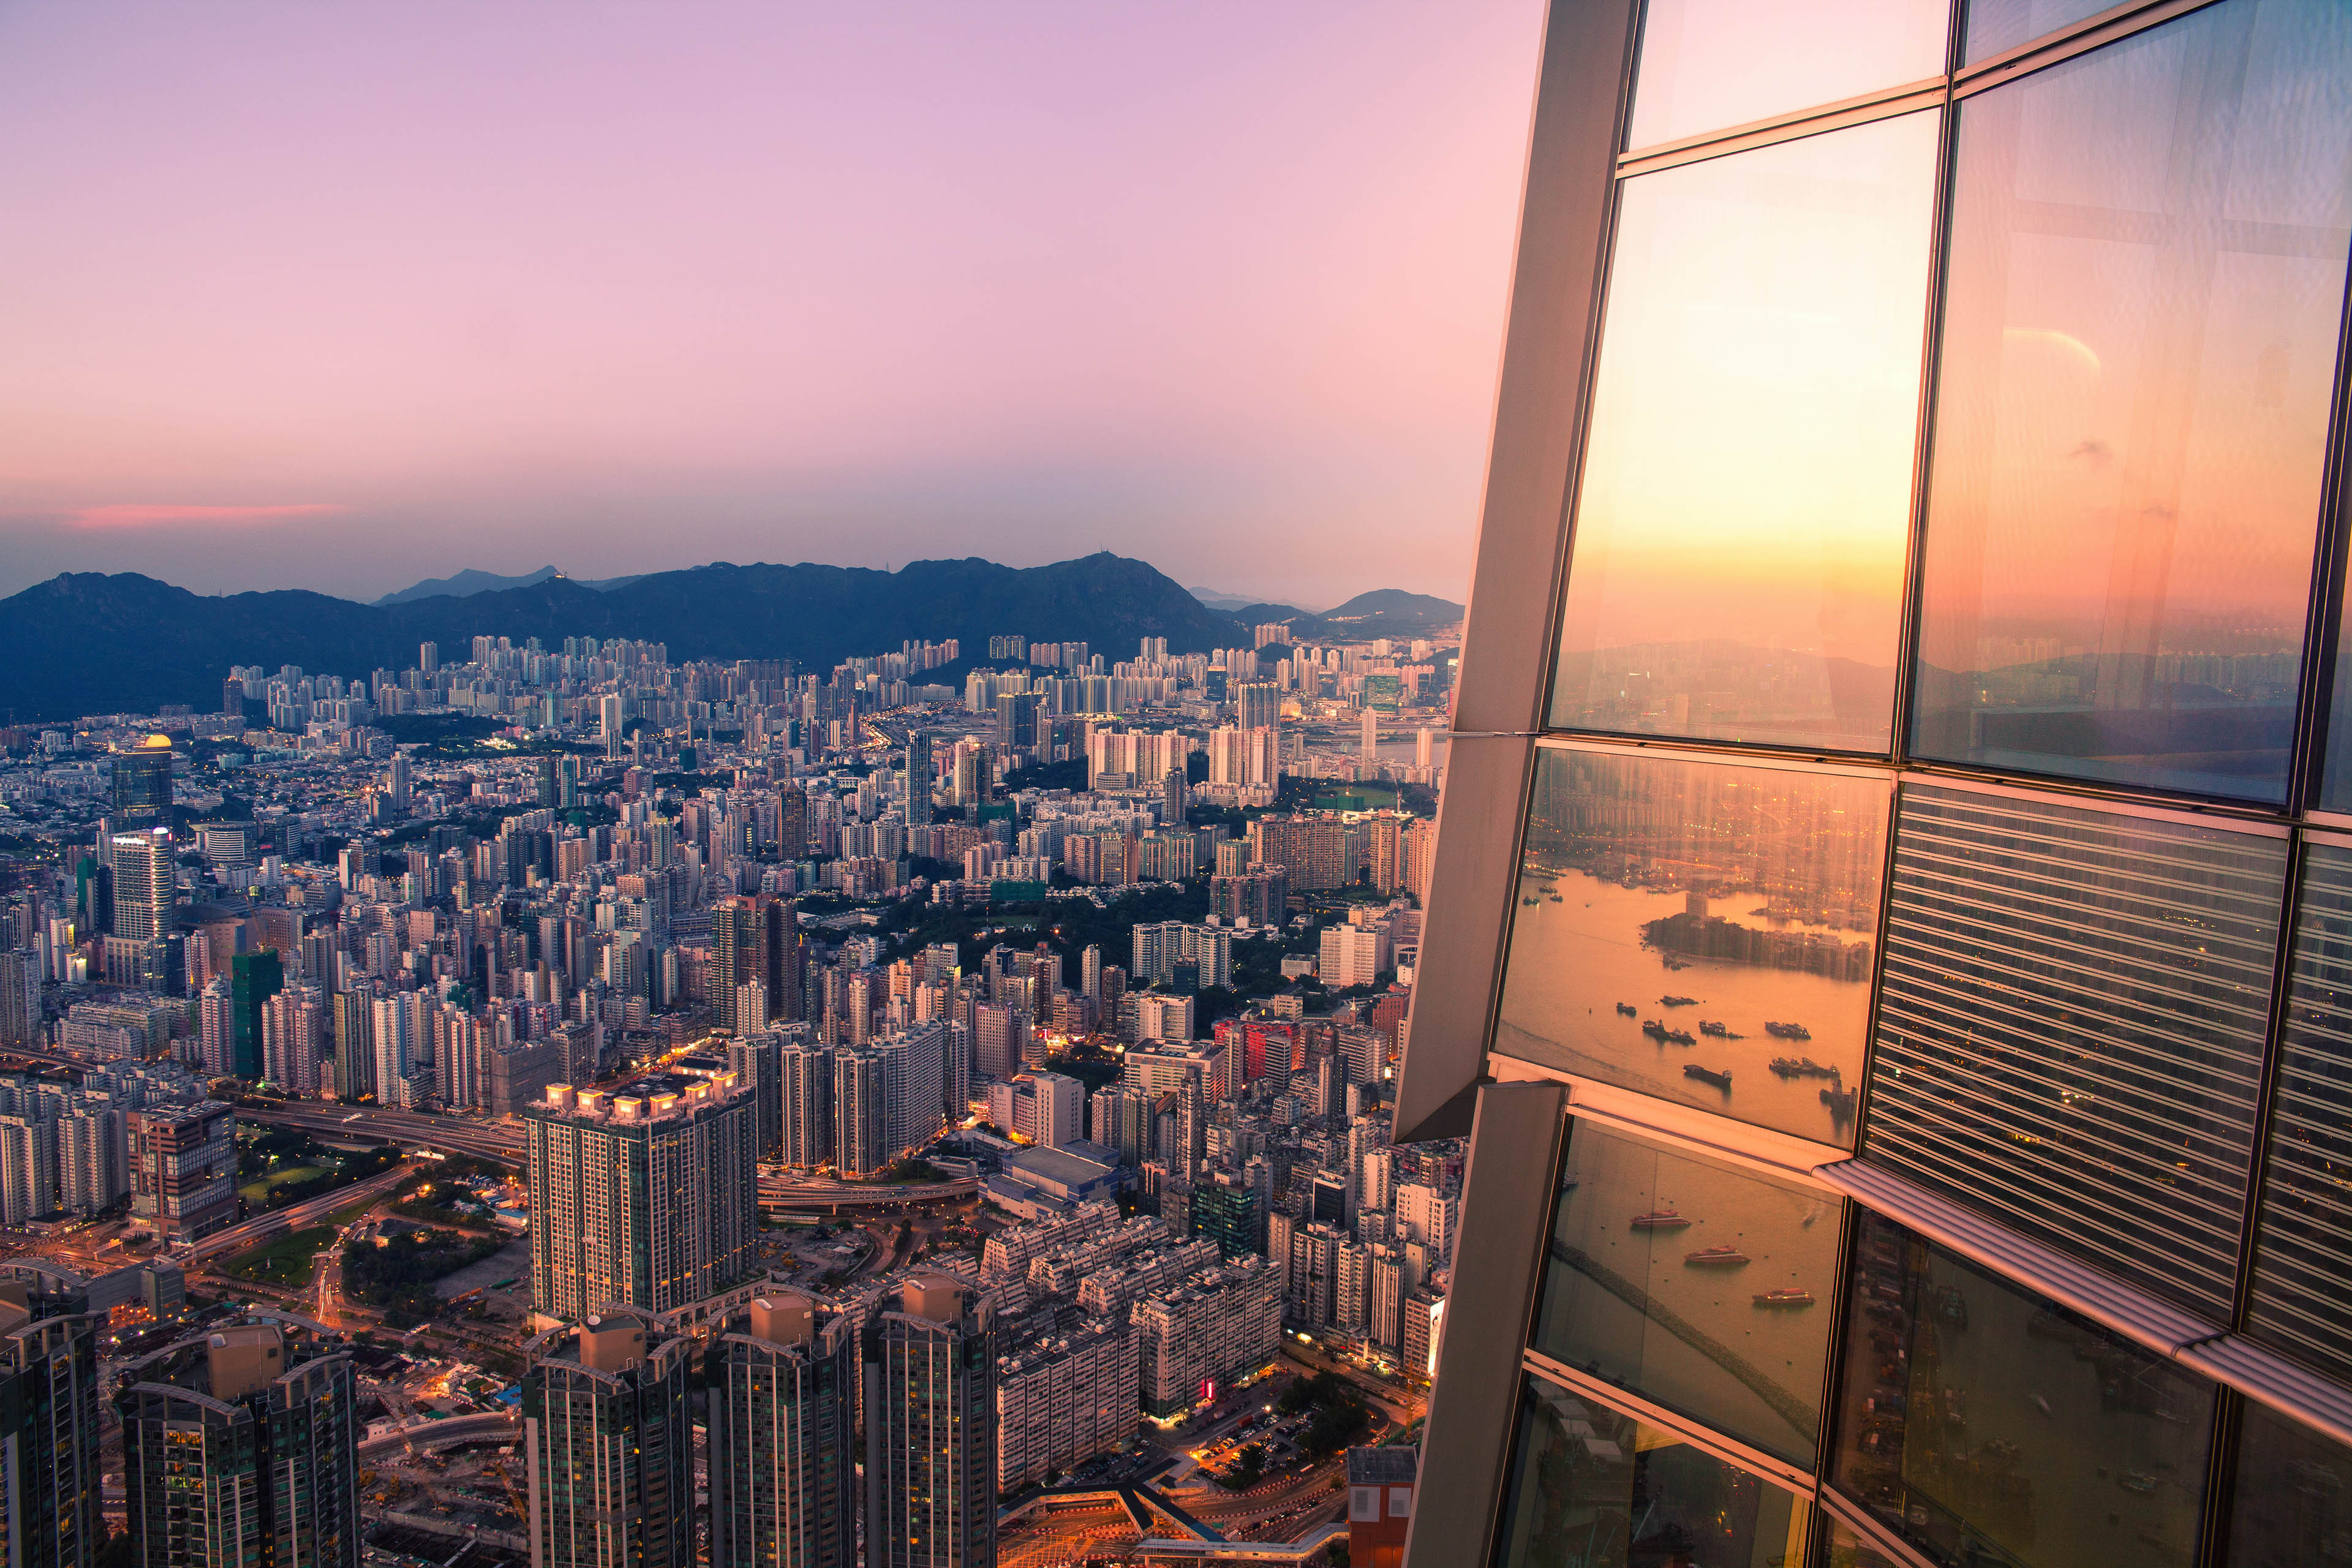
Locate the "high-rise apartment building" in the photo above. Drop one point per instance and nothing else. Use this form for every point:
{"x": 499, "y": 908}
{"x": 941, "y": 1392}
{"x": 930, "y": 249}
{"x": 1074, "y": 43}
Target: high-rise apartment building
{"x": 51, "y": 1502}
{"x": 145, "y": 888}
{"x": 608, "y": 1438}
{"x": 141, "y": 783}
{"x": 239, "y": 1447}
{"x": 643, "y": 1194}
{"x": 781, "y": 1391}
{"x": 1886, "y": 935}
{"x": 183, "y": 1170}
{"x": 930, "y": 1428}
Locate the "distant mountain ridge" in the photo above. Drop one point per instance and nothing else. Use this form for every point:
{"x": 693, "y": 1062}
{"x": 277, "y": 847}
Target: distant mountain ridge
{"x": 466, "y": 584}
{"x": 98, "y": 643}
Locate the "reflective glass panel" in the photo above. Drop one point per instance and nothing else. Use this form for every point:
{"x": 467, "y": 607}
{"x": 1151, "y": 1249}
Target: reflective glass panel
{"x": 2293, "y": 1506}
{"x": 1701, "y": 931}
{"x": 1594, "y": 1487}
{"x": 1698, "y": 1286}
{"x": 2146, "y": 273}
{"x": 1996, "y": 26}
{"x": 2303, "y": 1253}
{"x": 1987, "y": 1426}
{"x": 2070, "y": 1026}
{"x": 1847, "y": 1549}
{"x": 1709, "y": 65}
{"x": 1738, "y": 563}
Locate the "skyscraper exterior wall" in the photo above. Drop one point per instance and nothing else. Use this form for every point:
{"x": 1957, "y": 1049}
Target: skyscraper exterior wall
{"x": 183, "y": 1168}
{"x": 1884, "y": 936}
{"x": 240, "y": 1450}
{"x": 50, "y": 1499}
{"x": 143, "y": 784}
{"x": 643, "y": 1194}
{"x": 608, "y": 1438}
{"x": 781, "y": 1385}
{"x": 930, "y": 1428}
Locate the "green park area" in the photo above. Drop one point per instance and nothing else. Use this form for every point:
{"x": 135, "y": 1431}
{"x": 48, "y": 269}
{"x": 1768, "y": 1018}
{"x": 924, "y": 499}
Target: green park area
{"x": 283, "y": 1260}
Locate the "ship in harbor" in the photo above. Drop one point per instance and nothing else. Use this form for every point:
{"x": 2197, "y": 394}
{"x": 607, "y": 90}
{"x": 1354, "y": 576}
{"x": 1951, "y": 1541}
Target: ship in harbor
{"x": 1677, "y": 1001}
{"x": 1786, "y": 1295}
{"x": 1716, "y": 1257}
{"x": 1804, "y": 1067}
{"x": 1718, "y": 1030}
{"x": 1841, "y": 1100}
{"x": 1788, "y": 1031}
{"x": 1666, "y": 1037}
{"x": 1626, "y": 1010}
{"x": 1708, "y": 1075}
{"x": 1659, "y": 1220}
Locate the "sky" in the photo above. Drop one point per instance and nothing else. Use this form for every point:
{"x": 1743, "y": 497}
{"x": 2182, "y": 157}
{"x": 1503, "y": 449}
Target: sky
{"x": 340, "y": 297}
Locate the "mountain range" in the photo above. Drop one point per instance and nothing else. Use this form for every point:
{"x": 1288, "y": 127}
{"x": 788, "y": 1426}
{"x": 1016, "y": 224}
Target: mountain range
{"x": 100, "y": 643}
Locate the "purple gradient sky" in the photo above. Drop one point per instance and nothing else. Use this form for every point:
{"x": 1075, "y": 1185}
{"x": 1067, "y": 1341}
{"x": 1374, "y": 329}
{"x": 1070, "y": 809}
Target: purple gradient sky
{"x": 343, "y": 296}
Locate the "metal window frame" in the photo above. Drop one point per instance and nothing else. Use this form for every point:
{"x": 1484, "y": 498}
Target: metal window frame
{"x": 1792, "y": 1478}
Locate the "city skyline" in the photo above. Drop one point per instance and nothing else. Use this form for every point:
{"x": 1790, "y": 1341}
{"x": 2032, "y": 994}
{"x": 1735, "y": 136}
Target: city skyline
{"x": 847, "y": 289}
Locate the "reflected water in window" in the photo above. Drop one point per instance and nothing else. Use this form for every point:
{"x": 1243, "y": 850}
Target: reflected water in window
{"x": 2146, "y": 273}
{"x": 2071, "y": 1026}
{"x": 1986, "y": 1426}
{"x": 1701, "y": 931}
{"x": 1709, "y": 64}
{"x": 1741, "y": 524}
{"x": 1996, "y": 26}
{"x": 2303, "y": 1250}
{"x": 2293, "y": 1505}
{"x": 1696, "y": 1285}
{"x": 1590, "y": 1486}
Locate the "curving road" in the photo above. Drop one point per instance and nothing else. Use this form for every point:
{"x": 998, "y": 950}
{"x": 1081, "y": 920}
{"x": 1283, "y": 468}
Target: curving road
{"x": 238, "y": 1238}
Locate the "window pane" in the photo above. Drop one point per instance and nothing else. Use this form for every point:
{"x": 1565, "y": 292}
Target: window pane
{"x": 1738, "y": 568}
{"x": 2071, "y": 1026}
{"x": 1987, "y": 1426}
{"x": 1701, "y": 931}
{"x": 1995, "y": 26}
{"x": 2303, "y": 1255}
{"x": 2146, "y": 273}
{"x": 1590, "y": 1486}
{"x": 1709, "y": 65}
{"x": 2294, "y": 1503}
{"x": 1696, "y": 1285}
{"x": 1849, "y": 1550}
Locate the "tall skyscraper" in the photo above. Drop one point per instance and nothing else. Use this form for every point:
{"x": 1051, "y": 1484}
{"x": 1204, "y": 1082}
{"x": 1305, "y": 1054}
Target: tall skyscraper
{"x": 144, "y": 883}
{"x": 643, "y": 1194}
{"x": 143, "y": 784}
{"x": 782, "y": 1396}
{"x": 254, "y": 979}
{"x": 608, "y": 1435}
{"x": 930, "y": 1428}
{"x": 240, "y": 1447}
{"x": 51, "y": 1504}
{"x": 1886, "y": 940}
{"x": 920, "y": 778}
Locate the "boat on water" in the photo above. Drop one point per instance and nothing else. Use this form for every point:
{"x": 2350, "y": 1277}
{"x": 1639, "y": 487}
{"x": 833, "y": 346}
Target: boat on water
{"x": 1557, "y": 899}
{"x": 1708, "y": 1075}
{"x": 1716, "y": 1257}
{"x": 1786, "y": 1295}
{"x": 1625, "y": 1010}
{"x": 1529, "y": 901}
{"x": 1677, "y": 1001}
{"x": 1659, "y": 1220}
{"x": 1788, "y": 1031}
{"x": 1841, "y": 1100}
{"x": 1804, "y": 1067}
{"x": 1654, "y": 1029}
{"x": 1679, "y": 1038}
{"x": 1715, "y": 1031}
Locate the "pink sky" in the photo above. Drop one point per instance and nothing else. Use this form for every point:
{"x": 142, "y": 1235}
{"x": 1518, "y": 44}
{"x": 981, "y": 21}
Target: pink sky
{"x": 343, "y": 296}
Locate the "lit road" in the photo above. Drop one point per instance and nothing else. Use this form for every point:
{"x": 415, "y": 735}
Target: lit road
{"x": 238, "y": 1238}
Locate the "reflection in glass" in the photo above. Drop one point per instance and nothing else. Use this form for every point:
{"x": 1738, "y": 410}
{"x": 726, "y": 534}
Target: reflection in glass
{"x": 1739, "y": 551}
{"x": 1590, "y": 1486}
{"x": 1996, "y": 26}
{"x": 1701, "y": 931}
{"x": 2070, "y": 1026}
{"x": 2294, "y": 1499}
{"x": 1987, "y": 1426}
{"x": 1698, "y": 1286}
{"x": 2146, "y": 271}
{"x": 1709, "y": 64}
{"x": 2302, "y": 1251}
{"x": 1849, "y": 1550}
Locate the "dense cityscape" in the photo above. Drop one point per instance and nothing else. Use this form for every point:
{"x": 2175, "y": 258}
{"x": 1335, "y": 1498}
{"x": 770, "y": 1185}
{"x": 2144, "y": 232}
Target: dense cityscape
{"x": 578, "y": 1108}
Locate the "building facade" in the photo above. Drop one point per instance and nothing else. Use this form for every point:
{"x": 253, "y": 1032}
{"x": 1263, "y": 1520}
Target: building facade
{"x": 608, "y": 1438}
{"x": 643, "y": 1194}
{"x": 781, "y": 1403}
{"x": 50, "y": 1496}
{"x": 930, "y": 1428}
{"x": 1886, "y": 935}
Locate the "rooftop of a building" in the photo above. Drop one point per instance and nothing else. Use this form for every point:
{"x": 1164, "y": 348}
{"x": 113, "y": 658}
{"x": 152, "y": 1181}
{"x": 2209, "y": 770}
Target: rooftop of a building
{"x": 1383, "y": 1467}
{"x": 638, "y": 1100}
